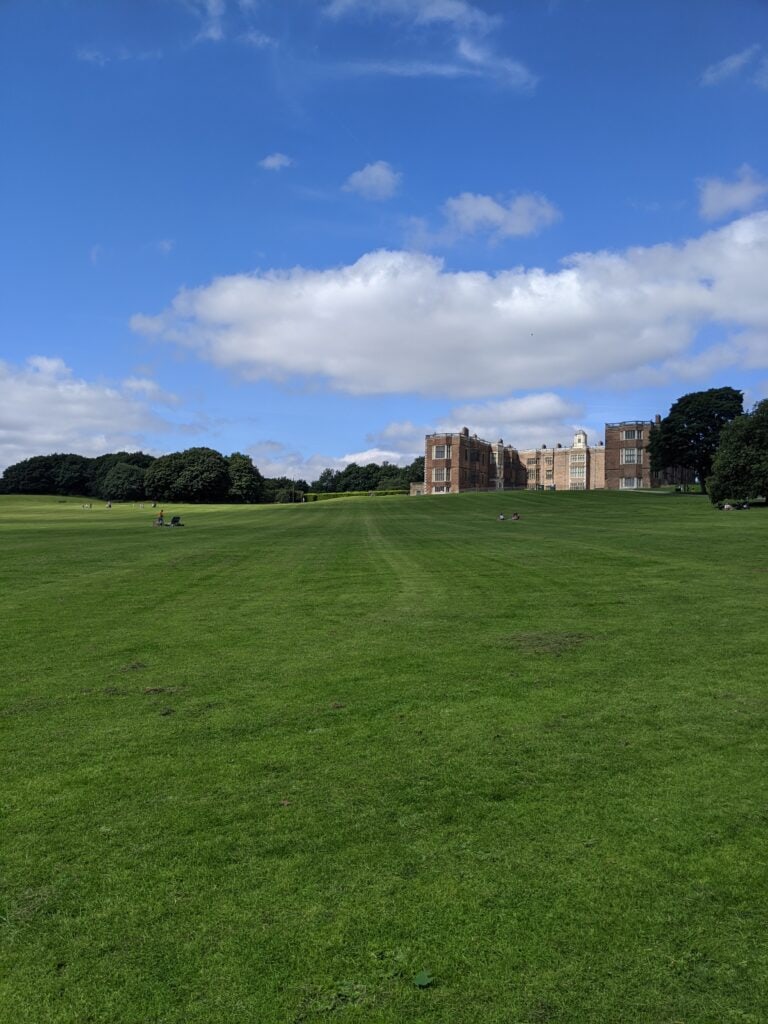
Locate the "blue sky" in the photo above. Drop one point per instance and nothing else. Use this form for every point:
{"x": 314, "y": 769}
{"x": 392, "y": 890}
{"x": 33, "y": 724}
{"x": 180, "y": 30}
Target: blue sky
{"x": 313, "y": 230}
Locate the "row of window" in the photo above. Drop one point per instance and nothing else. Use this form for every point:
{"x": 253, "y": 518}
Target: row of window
{"x": 630, "y": 483}
{"x": 631, "y": 456}
{"x": 631, "y": 435}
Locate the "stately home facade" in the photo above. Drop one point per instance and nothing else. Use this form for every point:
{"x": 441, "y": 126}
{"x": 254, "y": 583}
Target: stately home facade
{"x": 465, "y": 462}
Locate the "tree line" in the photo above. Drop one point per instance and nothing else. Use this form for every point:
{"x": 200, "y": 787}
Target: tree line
{"x": 193, "y": 475}
{"x": 709, "y": 433}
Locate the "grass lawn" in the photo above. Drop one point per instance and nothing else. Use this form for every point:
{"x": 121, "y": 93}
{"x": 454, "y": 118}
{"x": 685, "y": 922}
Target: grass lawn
{"x": 273, "y": 767}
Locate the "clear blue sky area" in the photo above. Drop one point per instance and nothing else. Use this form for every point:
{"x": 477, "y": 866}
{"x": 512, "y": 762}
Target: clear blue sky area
{"x": 312, "y": 230}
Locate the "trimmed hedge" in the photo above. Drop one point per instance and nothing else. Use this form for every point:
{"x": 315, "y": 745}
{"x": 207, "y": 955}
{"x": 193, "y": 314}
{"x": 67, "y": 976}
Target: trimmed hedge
{"x": 323, "y": 496}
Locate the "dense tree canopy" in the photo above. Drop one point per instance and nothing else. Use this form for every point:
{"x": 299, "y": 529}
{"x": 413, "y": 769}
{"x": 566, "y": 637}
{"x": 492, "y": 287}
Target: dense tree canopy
{"x": 689, "y": 435}
{"x": 100, "y": 468}
{"x": 124, "y": 482}
{"x": 246, "y": 484}
{"x": 740, "y": 467}
{"x": 371, "y": 477}
{"x": 194, "y": 475}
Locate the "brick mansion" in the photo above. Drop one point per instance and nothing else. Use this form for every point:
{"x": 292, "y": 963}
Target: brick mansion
{"x": 464, "y": 462}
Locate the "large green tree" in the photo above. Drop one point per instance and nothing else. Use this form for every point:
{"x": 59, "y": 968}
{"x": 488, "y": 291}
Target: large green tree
{"x": 246, "y": 484}
{"x": 124, "y": 482}
{"x": 197, "y": 474}
{"x": 689, "y": 435}
{"x": 740, "y": 467}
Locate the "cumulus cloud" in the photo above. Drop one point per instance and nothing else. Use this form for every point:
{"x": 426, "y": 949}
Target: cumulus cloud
{"x": 44, "y": 408}
{"x": 377, "y": 181}
{"x": 148, "y": 388}
{"x": 470, "y": 213}
{"x": 729, "y": 66}
{"x": 276, "y": 459}
{"x": 718, "y": 198}
{"x": 399, "y": 322}
{"x": 525, "y": 422}
{"x": 276, "y": 162}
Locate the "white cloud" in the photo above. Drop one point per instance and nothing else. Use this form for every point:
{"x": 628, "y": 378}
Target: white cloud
{"x": 729, "y": 66}
{"x": 44, "y": 408}
{"x": 509, "y": 72}
{"x": 211, "y": 14}
{"x": 718, "y": 198}
{"x": 469, "y": 61}
{"x": 377, "y": 181}
{"x": 398, "y": 322}
{"x": 276, "y": 459}
{"x": 409, "y": 69}
{"x": 148, "y": 388}
{"x": 166, "y": 246}
{"x": 456, "y": 13}
{"x": 93, "y": 57}
{"x": 469, "y": 213}
{"x": 259, "y": 40}
{"x": 276, "y": 162}
{"x": 524, "y": 422}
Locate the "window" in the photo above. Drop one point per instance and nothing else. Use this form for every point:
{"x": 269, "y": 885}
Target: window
{"x": 629, "y": 483}
{"x": 531, "y": 462}
{"x": 628, "y": 435}
{"x": 549, "y": 474}
{"x": 441, "y": 489}
{"x": 441, "y": 451}
{"x": 577, "y": 485}
{"x": 578, "y": 471}
{"x": 440, "y": 474}
{"x": 631, "y": 456}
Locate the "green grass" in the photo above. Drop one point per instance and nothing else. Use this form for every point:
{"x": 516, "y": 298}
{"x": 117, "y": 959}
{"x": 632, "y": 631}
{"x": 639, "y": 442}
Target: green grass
{"x": 269, "y": 768}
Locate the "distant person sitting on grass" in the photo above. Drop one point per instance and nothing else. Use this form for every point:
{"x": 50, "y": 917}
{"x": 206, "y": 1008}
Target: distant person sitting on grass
{"x": 515, "y": 516}
{"x": 501, "y": 517}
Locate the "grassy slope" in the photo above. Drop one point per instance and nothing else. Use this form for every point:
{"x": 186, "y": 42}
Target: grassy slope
{"x": 394, "y": 734}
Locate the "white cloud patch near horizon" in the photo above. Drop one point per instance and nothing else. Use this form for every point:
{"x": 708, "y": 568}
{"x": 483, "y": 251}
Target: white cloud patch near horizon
{"x": 377, "y": 181}
{"x": 399, "y": 322}
{"x": 729, "y": 66}
{"x": 718, "y": 198}
{"x": 275, "y": 459}
{"x": 44, "y": 408}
